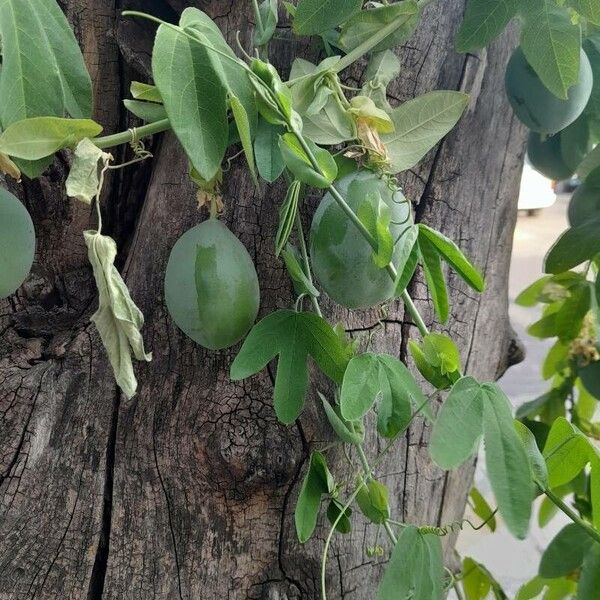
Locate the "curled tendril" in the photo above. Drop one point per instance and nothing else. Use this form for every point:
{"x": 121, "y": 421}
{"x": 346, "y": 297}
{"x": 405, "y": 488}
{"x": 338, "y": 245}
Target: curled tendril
{"x": 456, "y": 526}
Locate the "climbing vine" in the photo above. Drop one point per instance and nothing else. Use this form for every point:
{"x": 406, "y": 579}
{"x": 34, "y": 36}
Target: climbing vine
{"x": 362, "y": 250}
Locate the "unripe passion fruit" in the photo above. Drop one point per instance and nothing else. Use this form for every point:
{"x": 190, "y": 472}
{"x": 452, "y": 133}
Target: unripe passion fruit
{"x": 17, "y": 243}
{"x": 546, "y": 156}
{"x": 211, "y": 287}
{"x": 536, "y": 105}
{"x": 342, "y": 259}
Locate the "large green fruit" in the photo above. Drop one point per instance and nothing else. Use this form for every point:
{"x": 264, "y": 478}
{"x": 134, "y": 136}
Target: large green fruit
{"x": 211, "y": 287}
{"x": 536, "y": 105}
{"x": 17, "y": 243}
{"x": 585, "y": 202}
{"x": 546, "y": 156}
{"x": 342, "y": 260}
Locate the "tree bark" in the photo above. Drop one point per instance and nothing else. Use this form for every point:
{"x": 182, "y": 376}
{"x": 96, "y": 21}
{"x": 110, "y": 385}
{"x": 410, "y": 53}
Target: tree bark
{"x": 187, "y": 491}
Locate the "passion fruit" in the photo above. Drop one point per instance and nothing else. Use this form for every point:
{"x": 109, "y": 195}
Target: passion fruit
{"x": 535, "y": 105}
{"x": 211, "y": 286}
{"x": 342, "y": 260}
{"x": 17, "y": 243}
{"x": 546, "y": 157}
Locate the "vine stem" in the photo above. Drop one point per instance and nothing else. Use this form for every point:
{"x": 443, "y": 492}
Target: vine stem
{"x": 306, "y": 260}
{"x": 572, "y": 515}
{"x": 124, "y": 137}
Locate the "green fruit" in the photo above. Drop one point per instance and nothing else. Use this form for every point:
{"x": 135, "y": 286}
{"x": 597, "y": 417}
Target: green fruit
{"x": 342, "y": 259}
{"x": 536, "y": 105}
{"x": 211, "y": 286}
{"x": 17, "y": 243}
{"x": 585, "y": 202}
{"x": 546, "y": 156}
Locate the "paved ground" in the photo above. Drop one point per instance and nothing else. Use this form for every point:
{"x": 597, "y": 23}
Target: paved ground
{"x": 510, "y": 560}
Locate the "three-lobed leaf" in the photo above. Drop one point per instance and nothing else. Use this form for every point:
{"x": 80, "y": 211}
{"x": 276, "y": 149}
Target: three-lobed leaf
{"x": 293, "y": 336}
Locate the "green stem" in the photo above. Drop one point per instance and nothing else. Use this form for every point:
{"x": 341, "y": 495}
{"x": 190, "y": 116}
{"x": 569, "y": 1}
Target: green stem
{"x": 390, "y": 532}
{"x": 306, "y": 261}
{"x": 572, "y": 515}
{"x": 124, "y": 137}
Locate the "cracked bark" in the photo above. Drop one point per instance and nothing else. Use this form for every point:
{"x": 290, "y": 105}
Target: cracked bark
{"x": 188, "y": 490}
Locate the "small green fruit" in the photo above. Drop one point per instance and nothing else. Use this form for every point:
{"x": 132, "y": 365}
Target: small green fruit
{"x": 17, "y": 243}
{"x": 535, "y": 105}
{"x": 342, "y": 260}
{"x": 546, "y": 156}
{"x": 211, "y": 286}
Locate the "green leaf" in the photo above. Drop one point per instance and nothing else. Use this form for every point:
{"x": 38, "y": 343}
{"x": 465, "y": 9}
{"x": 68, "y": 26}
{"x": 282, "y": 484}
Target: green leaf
{"x": 381, "y": 70}
{"x": 243, "y": 126}
{"x": 436, "y": 283}
{"x": 506, "y": 462}
{"x": 360, "y": 386}
{"x": 293, "y": 337}
{"x": 376, "y": 216}
{"x": 43, "y": 72}
{"x": 478, "y": 582}
{"x": 530, "y": 296}
{"x": 552, "y": 44}
{"x": 342, "y": 428}
{"x": 317, "y": 481}
{"x": 39, "y": 137}
{"x": 83, "y": 180}
{"x": 415, "y": 569}
{"x": 287, "y": 216}
{"x": 481, "y": 508}
{"x": 335, "y": 508}
{"x": 407, "y": 263}
{"x": 539, "y": 470}
{"x": 268, "y": 15}
{"x": 452, "y": 254}
{"x": 590, "y": 9}
{"x": 459, "y": 425}
{"x": 574, "y": 246}
{"x": 566, "y": 552}
{"x": 318, "y": 16}
{"x": 420, "y": 124}
{"x": 302, "y": 284}
{"x": 555, "y": 589}
{"x": 194, "y": 98}
{"x": 567, "y": 452}
{"x": 366, "y": 23}
{"x": 483, "y": 22}
{"x": 372, "y": 499}
{"x": 298, "y": 162}
{"x": 589, "y": 580}
{"x": 266, "y": 149}
{"x": 380, "y": 376}
{"x": 145, "y": 92}
{"x": 231, "y": 71}
{"x": 117, "y": 319}
{"x": 147, "y": 111}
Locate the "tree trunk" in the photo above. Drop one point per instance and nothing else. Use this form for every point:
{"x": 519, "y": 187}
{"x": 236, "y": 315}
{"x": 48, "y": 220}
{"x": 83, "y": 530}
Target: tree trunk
{"x": 187, "y": 491}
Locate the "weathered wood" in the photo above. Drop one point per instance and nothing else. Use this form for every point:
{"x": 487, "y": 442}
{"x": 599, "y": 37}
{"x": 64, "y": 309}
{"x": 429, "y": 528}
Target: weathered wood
{"x": 188, "y": 490}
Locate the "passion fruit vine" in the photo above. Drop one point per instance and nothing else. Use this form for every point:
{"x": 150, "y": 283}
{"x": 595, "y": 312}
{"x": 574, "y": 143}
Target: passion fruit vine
{"x": 211, "y": 286}
{"x": 17, "y": 243}
{"x": 342, "y": 260}
{"x": 535, "y": 105}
